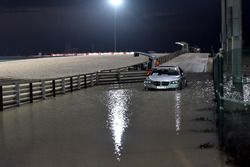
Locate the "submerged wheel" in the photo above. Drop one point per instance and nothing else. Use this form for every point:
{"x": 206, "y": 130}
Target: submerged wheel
{"x": 179, "y": 86}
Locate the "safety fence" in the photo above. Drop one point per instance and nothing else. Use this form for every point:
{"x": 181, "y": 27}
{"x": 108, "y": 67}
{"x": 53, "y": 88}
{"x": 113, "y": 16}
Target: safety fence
{"x": 19, "y": 93}
{"x": 233, "y": 104}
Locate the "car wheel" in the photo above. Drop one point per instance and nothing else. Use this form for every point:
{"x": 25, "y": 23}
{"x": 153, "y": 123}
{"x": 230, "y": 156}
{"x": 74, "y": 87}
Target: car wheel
{"x": 179, "y": 86}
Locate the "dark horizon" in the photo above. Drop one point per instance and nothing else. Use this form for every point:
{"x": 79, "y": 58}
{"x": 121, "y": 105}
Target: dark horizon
{"x": 56, "y": 26}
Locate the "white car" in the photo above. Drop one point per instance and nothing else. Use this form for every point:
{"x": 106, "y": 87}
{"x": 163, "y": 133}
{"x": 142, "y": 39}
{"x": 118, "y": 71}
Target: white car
{"x": 166, "y": 77}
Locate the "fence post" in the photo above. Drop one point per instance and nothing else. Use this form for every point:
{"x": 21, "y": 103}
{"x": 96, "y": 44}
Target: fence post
{"x": 1, "y": 98}
{"x": 79, "y": 82}
{"x": 97, "y": 78}
{"x": 220, "y": 101}
{"x": 92, "y": 80}
{"x": 85, "y": 81}
{"x": 31, "y": 93}
{"x": 135, "y": 67}
{"x": 17, "y": 94}
{"x": 216, "y": 76}
{"x": 71, "y": 84}
{"x": 43, "y": 90}
{"x": 63, "y": 85}
{"x": 54, "y": 88}
{"x": 119, "y": 76}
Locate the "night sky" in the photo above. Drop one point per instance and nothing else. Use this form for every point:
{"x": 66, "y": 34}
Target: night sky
{"x": 55, "y": 26}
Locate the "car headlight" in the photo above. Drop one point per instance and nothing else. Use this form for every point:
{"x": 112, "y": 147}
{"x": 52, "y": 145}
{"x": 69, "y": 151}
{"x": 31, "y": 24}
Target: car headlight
{"x": 174, "y": 82}
{"x": 147, "y": 81}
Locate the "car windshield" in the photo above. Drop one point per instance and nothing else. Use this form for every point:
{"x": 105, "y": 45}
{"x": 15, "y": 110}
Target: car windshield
{"x": 165, "y": 72}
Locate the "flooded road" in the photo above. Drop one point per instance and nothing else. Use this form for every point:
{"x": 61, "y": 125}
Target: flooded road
{"x": 115, "y": 125}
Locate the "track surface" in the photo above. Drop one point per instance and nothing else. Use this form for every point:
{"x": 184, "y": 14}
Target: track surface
{"x": 191, "y": 62}
{"x": 55, "y": 67}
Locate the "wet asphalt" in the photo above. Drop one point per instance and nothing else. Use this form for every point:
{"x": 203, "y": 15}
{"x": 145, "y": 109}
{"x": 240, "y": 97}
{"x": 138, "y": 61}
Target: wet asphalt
{"x": 115, "y": 125}
{"x": 192, "y": 62}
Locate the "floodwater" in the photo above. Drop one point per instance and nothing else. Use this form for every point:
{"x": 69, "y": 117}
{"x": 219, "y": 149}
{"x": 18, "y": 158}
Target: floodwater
{"x": 115, "y": 125}
{"x": 242, "y": 94}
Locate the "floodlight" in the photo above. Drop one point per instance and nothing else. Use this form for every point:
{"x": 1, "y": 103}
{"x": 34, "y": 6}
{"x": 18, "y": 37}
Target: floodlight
{"x": 116, "y": 3}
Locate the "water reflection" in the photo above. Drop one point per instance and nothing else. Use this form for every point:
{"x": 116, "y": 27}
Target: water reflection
{"x": 118, "y": 117}
{"x": 203, "y": 89}
{"x": 246, "y": 90}
{"x": 178, "y": 112}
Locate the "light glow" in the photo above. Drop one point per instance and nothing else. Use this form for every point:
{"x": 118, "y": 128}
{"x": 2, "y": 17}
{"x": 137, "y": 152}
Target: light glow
{"x": 116, "y": 3}
{"x": 178, "y": 113}
{"x": 118, "y": 118}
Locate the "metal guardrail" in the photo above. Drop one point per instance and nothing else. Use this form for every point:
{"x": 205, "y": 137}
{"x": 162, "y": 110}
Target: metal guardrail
{"x": 19, "y": 93}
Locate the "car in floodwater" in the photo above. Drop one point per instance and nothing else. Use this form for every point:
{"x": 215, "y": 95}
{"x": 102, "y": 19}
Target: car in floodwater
{"x": 166, "y": 77}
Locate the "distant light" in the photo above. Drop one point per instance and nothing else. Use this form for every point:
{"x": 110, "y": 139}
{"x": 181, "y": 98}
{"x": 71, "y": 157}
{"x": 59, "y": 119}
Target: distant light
{"x": 116, "y": 3}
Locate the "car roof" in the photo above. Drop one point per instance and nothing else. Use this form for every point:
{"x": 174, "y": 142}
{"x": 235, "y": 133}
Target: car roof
{"x": 166, "y": 67}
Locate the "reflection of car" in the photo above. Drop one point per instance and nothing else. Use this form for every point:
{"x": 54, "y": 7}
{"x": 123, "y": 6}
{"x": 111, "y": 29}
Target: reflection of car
{"x": 166, "y": 77}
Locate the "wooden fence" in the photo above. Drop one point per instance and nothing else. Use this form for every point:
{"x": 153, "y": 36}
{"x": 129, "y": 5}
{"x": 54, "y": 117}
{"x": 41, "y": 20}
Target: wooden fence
{"x": 16, "y": 94}
{"x": 22, "y": 93}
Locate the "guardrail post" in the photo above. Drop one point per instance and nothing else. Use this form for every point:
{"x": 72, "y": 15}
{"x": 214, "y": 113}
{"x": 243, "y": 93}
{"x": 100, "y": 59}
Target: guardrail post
{"x": 54, "y": 88}
{"x": 79, "y": 82}
{"x": 43, "y": 90}
{"x": 97, "y": 78}
{"x": 31, "y": 93}
{"x": 71, "y": 84}
{"x": 1, "y": 98}
{"x": 63, "y": 85}
{"x": 85, "y": 81}
{"x": 17, "y": 94}
{"x": 135, "y": 67}
{"x": 92, "y": 80}
{"x": 119, "y": 76}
